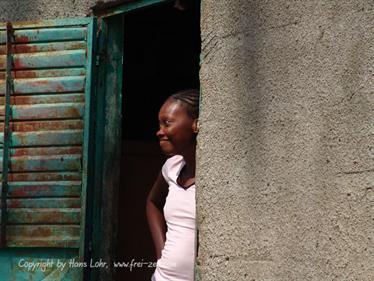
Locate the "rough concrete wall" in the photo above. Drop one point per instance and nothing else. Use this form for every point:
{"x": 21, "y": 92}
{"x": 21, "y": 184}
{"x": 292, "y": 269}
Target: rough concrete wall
{"x": 23, "y": 10}
{"x": 285, "y": 156}
{"x": 26, "y": 10}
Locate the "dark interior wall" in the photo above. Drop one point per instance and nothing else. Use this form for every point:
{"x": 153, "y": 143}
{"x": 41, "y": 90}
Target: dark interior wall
{"x": 161, "y": 56}
{"x": 141, "y": 161}
{"x": 162, "y": 47}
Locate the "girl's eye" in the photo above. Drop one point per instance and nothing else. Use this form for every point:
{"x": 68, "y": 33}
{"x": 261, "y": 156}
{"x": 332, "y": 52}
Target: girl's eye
{"x": 168, "y": 122}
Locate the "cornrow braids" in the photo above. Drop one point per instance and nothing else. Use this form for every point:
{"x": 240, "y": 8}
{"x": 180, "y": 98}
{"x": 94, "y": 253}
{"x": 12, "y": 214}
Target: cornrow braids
{"x": 190, "y": 98}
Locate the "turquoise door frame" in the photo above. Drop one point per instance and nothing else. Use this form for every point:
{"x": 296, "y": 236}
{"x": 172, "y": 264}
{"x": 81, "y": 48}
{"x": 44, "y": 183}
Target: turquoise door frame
{"x": 108, "y": 115}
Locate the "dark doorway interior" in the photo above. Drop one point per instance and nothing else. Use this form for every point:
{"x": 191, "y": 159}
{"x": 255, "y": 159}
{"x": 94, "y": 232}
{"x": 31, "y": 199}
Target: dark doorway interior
{"x": 161, "y": 56}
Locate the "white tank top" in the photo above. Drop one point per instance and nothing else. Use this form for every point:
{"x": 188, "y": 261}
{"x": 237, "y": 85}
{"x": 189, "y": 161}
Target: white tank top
{"x": 178, "y": 256}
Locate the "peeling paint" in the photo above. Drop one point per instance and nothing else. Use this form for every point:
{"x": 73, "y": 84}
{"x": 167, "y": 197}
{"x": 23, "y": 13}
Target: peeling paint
{"x": 44, "y": 200}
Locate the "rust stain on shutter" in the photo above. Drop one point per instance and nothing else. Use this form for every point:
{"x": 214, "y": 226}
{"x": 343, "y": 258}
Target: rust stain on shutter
{"x": 47, "y": 110}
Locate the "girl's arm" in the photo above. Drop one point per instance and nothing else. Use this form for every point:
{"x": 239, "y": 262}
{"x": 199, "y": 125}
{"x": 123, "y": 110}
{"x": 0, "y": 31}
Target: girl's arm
{"x": 156, "y": 221}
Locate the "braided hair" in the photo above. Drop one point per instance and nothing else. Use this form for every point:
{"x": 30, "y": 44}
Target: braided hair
{"x": 190, "y": 98}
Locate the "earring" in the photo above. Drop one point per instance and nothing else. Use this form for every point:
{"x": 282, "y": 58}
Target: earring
{"x": 196, "y": 129}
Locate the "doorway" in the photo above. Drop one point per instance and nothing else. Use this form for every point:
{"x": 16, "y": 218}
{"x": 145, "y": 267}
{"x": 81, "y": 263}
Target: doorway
{"x": 161, "y": 56}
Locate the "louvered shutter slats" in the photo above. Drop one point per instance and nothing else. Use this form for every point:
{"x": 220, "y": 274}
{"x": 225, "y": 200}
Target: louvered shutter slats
{"x": 48, "y": 111}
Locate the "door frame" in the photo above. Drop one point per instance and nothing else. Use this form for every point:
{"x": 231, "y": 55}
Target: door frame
{"x": 107, "y": 96}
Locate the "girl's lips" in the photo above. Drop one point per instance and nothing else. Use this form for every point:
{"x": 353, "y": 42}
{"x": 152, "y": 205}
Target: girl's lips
{"x": 164, "y": 142}
{"x": 166, "y": 146}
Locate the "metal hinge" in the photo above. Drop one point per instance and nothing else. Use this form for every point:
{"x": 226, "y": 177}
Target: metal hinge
{"x": 98, "y": 60}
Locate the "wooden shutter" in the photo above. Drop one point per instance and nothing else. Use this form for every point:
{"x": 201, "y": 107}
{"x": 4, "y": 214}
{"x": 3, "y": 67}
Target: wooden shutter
{"x": 49, "y": 129}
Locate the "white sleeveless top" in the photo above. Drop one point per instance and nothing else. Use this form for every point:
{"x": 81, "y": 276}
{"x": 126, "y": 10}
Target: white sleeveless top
{"x": 178, "y": 256}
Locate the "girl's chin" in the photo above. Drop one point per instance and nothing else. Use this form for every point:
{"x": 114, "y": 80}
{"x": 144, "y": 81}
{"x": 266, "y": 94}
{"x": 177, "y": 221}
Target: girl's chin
{"x": 167, "y": 148}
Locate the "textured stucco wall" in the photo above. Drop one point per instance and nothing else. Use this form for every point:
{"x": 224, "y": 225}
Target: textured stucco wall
{"x": 23, "y": 10}
{"x": 26, "y": 10}
{"x": 286, "y": 157}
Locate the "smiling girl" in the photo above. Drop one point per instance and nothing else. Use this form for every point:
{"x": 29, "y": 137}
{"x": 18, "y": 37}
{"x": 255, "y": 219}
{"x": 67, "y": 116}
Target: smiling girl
{"x": 171, "y": 201}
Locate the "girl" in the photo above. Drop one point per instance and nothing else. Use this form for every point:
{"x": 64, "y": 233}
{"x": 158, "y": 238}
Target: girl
{"x": 171, "y": 201}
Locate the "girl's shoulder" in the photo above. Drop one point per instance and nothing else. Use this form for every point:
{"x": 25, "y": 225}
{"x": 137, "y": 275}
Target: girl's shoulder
{"x": 172, "y": 167}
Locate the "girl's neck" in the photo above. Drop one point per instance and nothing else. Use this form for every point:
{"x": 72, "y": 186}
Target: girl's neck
{"x": 190, "y": 166}
{"x": 190, "y": 159}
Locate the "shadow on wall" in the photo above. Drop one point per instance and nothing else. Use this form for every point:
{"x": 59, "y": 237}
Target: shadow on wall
{"x": 290, "y": 118}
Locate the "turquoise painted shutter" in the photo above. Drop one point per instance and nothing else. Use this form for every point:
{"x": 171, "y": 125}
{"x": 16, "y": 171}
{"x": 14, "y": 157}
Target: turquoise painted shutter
{"x": 49, "y": 129}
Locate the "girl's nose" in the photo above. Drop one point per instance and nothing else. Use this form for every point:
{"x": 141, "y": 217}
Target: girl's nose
{"x": 160, "y": 133}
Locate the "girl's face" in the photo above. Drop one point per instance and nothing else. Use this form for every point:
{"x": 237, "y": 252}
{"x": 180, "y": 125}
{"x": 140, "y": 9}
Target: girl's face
{"x": 177, "y": 131}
